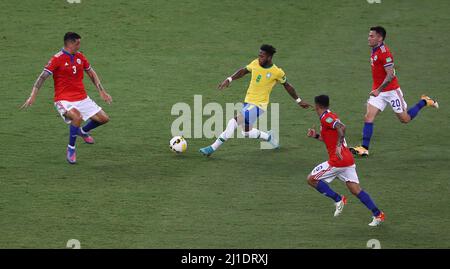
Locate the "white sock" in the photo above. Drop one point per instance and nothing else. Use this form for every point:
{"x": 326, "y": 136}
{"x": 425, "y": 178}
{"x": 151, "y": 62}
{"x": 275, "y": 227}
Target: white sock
{"x": 229, "y": 131}
{"x": 255, "y": 133}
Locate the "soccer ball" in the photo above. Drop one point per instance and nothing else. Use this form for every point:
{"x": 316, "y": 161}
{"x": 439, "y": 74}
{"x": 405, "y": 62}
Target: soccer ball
{"x": 178, "y": 144}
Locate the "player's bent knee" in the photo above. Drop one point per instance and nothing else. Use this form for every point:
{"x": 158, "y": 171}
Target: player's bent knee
{"x": 354, "y": 188}
{"x": 75, "y": 119}
{"x": 369, "y": 118}
{"x": 76, "y": 122}
{"x": 311, "y": 181}
{"x": 355, "y": 192}
{"x": 104, "y": 119}
{"x": 404, "y": 120}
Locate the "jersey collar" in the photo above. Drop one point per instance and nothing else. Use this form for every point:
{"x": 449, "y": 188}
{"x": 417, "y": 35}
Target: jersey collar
{"x": 266, "y": 67}
{"x": 377, "y": 47}
{"x": 72, "y": 56}
{"x": 324, "y": 113}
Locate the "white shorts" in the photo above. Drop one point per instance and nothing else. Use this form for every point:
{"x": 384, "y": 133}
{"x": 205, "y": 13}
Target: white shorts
{"x": 394, "y": 98}
{"x": 328, "y": 173}
{"x": 87, "y": 108}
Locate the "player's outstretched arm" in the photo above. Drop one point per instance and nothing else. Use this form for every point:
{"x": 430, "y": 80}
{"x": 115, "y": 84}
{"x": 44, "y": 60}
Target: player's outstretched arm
{"x": 96, "y": 81}
{"x": 237, "y": 75}
{"x": 390, "y": 75}
{"x": 36, "y": 87}
{"x": 290, "y": 89}
{"x": 340, "y": 127}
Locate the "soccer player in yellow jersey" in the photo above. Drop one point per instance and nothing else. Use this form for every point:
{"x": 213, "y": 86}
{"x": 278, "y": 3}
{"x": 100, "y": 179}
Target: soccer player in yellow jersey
{"x": 265, "y": 76}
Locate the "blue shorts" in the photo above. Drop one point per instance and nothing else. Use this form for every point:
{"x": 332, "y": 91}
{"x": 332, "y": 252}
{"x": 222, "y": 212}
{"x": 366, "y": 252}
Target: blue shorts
{"x": 251, "y": 113}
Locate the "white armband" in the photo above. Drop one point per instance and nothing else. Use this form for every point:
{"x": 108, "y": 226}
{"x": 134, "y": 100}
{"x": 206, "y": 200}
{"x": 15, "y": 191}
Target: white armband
{"x": 298, "y": 100}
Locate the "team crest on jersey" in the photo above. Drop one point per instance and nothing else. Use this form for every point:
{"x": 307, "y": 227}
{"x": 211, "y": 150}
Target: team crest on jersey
{"x": 375, "y": 58}
{"x": 329, "y": 120}
{"x": 78, "y": 61}
{"x": 268, "y": 75}
{"x": 66, "y": 64}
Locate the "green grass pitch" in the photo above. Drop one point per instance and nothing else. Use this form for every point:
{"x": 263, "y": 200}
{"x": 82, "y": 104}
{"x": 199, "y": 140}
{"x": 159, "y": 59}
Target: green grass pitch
{"x": 130, "y": 191}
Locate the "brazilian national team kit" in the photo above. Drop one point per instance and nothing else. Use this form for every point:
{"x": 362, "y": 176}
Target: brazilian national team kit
{"x": 263, "y": 80}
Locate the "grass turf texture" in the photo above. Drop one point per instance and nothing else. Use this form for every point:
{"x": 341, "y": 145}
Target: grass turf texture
{"x": 130, "y": 191}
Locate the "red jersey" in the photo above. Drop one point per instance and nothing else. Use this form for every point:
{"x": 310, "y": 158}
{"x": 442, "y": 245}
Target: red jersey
{"x": 67, "y": 71}
{"x": 329, "y": 136}
{"x": 381, "y": 57}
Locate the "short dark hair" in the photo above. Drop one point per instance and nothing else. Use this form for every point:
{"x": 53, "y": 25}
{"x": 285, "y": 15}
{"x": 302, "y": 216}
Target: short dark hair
{"x": 269, "y": 49}
{"x": 71, "y": 36}
{"x": 379, "y": 30}
{"x": 322, "y": 100}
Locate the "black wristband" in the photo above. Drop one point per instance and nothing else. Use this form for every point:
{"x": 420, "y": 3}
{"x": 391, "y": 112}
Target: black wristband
{"x": 317, "y": 136}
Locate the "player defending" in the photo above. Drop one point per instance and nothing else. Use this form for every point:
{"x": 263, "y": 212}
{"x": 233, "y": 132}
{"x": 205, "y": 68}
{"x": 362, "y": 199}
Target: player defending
{"x": 385, "y": 90}
{"x": 265, "y": 75}
{"x": 340, "y": 163}
{"x": 71, "y": 100}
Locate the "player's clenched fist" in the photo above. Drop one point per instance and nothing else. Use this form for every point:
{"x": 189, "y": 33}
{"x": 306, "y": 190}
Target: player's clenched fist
{"x": 374, "y": 93}
{"x": 311, "y": 132}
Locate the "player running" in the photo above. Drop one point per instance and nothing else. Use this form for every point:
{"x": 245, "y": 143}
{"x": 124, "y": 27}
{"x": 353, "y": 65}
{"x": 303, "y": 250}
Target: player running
{"x": 265, "y": 75}
{"x": 70, "y": 99}
{"x": 340, "y": 164}
{"x": 385, "y": 90}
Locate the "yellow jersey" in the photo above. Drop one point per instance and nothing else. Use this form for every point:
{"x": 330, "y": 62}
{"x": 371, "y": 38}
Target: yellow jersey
{"x": 262, "y": 83}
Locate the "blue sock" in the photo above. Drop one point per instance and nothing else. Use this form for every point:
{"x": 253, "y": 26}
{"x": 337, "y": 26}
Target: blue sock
{"x": 367, "y": 134}
{"x": 323, "y": 188}
{"x": 90, "y": 125}
{"x": 413, "y": 111}
{"x": 73, "y": 135}
{"x": 364, "y": 197}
